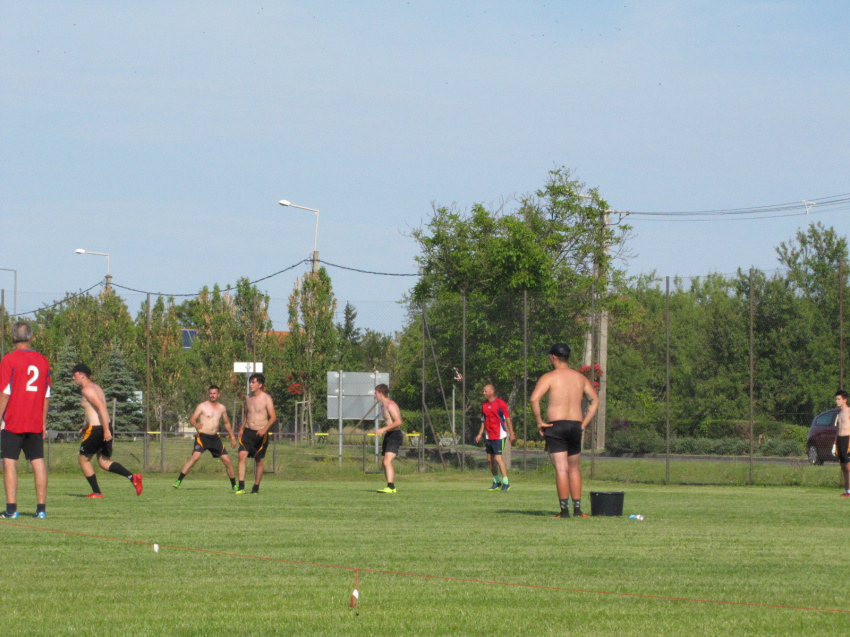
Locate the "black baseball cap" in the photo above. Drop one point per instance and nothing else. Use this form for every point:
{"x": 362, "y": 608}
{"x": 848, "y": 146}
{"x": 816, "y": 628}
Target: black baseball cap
{"x": 561, "y": 350}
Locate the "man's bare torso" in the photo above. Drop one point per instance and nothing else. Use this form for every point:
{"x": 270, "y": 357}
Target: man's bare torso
{"x": 844, "y": 421}
{"x": 209, "y": 417}
{"x": 565, "y": 390}
{"x": 257, "y": 411}
{"x": 92, "y": 418}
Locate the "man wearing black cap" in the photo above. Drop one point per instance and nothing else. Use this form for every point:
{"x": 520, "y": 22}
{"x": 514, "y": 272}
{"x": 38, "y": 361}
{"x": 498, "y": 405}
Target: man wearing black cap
{"x": 565, "y": 423}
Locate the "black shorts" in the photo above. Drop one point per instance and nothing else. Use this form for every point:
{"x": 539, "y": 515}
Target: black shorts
{"x": 842, "y": 447}
{"x": 211, "y": 443}
{"x": 495, "y": 447}
{"x": 12, "y": 444}
{"x": 252, "y": 443}
{"x": 563, "y": 435}
{"x": 392, "y": 442}
{"x": 93, "y": 443}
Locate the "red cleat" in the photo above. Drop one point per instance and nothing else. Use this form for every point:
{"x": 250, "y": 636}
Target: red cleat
{"x": 845, "y": 495}
{"x": 581, "y": 514}
{"x": 564, "y": 514}
{"x": 94, "y": 496}
{"x": 137, "y": 482}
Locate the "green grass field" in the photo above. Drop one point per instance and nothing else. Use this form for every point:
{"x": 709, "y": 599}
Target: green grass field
{"x": 759, "y": 545}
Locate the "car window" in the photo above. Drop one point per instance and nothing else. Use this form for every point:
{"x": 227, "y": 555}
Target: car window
{"x": 826, "y": 420}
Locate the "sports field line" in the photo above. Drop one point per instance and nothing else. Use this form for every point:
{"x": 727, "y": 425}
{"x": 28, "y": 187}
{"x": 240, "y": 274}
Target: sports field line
{"x": 358, "y": 570}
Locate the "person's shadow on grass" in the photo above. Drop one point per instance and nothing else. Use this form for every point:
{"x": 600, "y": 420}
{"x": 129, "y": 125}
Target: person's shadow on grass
{"x": 539, "y": 514}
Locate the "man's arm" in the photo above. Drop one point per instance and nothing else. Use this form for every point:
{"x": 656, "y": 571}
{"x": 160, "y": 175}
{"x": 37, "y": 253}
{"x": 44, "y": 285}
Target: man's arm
{"x": 481, "y": 431}
{"x": 4, "y": 400}
{"x": 229, "y": 428}
{"x": 510, "y": 425}
{"x": 272, "y": 416}
{"x": 539, "y": 392}
{"x": 43, "y": 416}
{"x": 100, "y": 407}
{"x": 193, "y": 419}
{"x": 593, "y": 400}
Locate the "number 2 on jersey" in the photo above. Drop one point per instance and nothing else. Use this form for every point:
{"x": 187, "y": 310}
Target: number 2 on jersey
{"x": 33, "y": 371}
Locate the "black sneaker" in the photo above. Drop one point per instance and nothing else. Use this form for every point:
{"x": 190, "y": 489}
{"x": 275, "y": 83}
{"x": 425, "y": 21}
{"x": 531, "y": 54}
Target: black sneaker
{"x": 563, "y": 514}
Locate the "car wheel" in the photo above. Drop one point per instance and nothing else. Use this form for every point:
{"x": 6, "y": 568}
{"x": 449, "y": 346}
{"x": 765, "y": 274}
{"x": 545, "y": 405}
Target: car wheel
{"x": 813, "y": 455}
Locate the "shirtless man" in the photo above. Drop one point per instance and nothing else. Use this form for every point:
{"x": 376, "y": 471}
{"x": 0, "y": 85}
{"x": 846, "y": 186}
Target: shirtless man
{"x": 97, "y": 434}
{"x": 565, "y": 424}
{"x": 392, "y": 435}
{"x": 842, "y": 442}
{"x": 254, "y": 434}
{"x": 206, "y": 419}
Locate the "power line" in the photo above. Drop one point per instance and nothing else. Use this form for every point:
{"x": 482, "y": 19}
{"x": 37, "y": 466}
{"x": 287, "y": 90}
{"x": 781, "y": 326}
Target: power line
{"x": 802, "y": 207}
{"x": 342, "y": 267}
{"x": 67, "y": 296}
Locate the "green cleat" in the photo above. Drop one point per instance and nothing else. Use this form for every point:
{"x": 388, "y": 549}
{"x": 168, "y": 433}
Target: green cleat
{"x": 177, "y": 484}
{"x": 235, "y": 488}
{"x": 239, "y": 492}
{"x": 386, "y": 490}
{"x": 495, "y": 486}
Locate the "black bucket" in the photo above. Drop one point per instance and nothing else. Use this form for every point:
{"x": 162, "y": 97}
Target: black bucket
{"x": 610, "y": 503}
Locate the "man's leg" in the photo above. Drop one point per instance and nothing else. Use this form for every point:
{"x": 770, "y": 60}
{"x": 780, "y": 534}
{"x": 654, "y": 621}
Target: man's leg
{"x": 500, "y": 462}
{"x": 574, "y": 480}
{"x": 39, "y": 469}
{"x": 243, "y": 459}
{"x": 196, "y": 455}
{"x": 88, "y": 472}
{"x": 562, "y": 481}
{"x": 10, "y": 480}
{"x": 108, "y": 464}
{"x": 389, "y": 470}
{"x": 845, "y": 471}
{"x": 259, "y": 465}
{"x": 228, "y": 466}
{"x": 494, "y": 469}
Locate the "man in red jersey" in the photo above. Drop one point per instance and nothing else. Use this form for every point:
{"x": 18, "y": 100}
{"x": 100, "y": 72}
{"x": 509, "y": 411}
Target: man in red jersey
{"x": 24, "y": 399}
{"x": 496, "y": 420}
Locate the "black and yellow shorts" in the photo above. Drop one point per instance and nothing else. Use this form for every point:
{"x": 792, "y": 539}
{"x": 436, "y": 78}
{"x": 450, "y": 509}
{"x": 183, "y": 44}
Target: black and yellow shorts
{"x": 211, "y": 443}
{"x": 94, "y": 444}
{"x": 252, "y": 443}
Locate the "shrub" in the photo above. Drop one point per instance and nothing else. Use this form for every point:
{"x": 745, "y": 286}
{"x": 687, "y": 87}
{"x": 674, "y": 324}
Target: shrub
{"x": 637, "y": 442}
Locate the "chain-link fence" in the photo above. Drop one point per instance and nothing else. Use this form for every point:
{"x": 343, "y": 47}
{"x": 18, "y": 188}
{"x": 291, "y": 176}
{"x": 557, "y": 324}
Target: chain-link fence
{"x": 723, "y": 367}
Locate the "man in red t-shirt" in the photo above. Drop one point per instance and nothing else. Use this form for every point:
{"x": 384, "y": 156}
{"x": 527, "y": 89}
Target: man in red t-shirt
{"x": 24, "y": 399}
{"x": 496, "y": 420}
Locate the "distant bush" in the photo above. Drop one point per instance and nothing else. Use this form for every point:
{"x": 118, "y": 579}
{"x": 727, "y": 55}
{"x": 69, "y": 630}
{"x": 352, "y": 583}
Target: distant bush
{"x": 637, "y": 442}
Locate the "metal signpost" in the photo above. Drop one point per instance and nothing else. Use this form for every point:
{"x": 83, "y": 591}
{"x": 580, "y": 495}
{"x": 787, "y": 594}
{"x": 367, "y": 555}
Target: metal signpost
{"x": 357, "y": 390}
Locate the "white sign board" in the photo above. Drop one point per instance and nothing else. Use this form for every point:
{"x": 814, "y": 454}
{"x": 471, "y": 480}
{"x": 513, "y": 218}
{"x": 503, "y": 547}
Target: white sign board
{"x": 247, "y": 368}
{"x": 358, "y": 395}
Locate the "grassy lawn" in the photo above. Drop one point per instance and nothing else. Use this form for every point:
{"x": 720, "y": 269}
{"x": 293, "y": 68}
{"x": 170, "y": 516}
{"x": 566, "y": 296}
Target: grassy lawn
{"x": 760, "y": 545}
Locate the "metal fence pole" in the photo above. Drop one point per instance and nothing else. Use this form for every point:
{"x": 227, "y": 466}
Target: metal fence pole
{"x": 421, "y": 454}
{"x": 592, "y": 375}
{"x": 340, "y": 418}
{"x": 147, "y": 384}
{"x": 841, "y": 323}
{"x": 525, "y": 380}
{"x": 667, "y": 371}
{"x": 2, "y": 323}
{"x": 463, "y": 391}
{"x": 752, "y": 375}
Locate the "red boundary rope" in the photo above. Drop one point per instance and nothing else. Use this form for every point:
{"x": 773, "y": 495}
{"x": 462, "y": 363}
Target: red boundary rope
{"x": 357, "y": 571}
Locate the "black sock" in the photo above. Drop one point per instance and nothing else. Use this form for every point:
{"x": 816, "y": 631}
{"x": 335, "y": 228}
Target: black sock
{"x": 40, "y": 508}
{"x": 11, "y": 507}
{"x": 180, "y": 477}
{"x": 391, "y": 485}
{"x": 93, "y": 482}
{"x": 576, "y": 505}
{"x": 255, "y": 489}
{"x": 121, "y": 471}
{"x": 565, "y": 504}
{"x": 232, "y": 482}
{"x": 241, "y": 485}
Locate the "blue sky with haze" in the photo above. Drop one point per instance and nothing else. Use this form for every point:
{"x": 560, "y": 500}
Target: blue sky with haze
{"x": 166, "y": 132}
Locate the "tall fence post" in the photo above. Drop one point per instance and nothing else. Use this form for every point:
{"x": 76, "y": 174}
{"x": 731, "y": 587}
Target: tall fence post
{"x": 841, "y": 323}
{"x": 2, "y": 323}
{"x": 421, "y": 455}
{"x": 525, "y": 380}
{"x": 463, "y": 392}
{"x": 147, "y": 460}
{"x": 340, "y": 419}
{"x": 752, "y": 376}
{"x": 592, "y": 375}
{"x": 667, "y": 371}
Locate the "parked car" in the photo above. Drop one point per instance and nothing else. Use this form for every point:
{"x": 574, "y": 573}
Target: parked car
{"x": 821, "y": 438}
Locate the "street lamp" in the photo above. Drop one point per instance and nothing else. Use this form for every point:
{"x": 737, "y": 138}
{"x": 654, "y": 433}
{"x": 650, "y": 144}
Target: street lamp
{"x": 284, "y": 202}
{"x": 100, "y": 254}
{"x": 16, "y": 288}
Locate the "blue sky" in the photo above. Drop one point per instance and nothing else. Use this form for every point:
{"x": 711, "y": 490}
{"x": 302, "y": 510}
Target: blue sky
{"x": 165, "y": 133}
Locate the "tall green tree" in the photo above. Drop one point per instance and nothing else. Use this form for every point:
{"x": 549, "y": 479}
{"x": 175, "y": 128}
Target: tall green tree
{"x": 120, "y": 387}
{"x": 311, "y": 349}
{"x": 65, "y": 414}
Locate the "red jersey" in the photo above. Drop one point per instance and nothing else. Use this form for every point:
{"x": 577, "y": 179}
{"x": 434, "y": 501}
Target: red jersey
{"x": 25, "y": 378}
{"x": 495, "y": 415}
